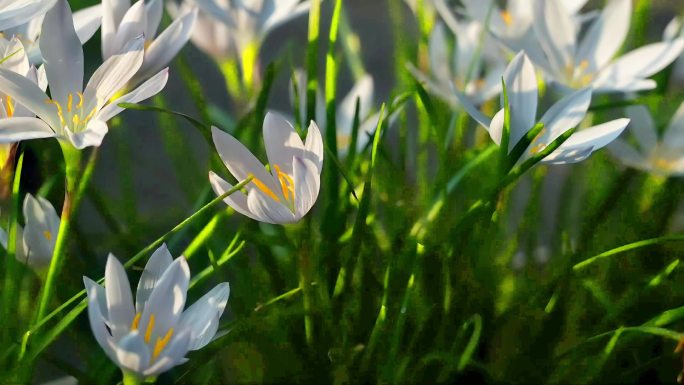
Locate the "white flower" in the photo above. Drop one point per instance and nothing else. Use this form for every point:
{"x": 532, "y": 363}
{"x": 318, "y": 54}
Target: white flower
{"x": 72, "y": 113}
{"x": 122, "y": 23}
{"x": 86, "y": 23}
{"x": 289, "y": 191}
{"x": 567, "y": 113}
{"x": 662, "y": 155}
{"x": 36, "y": 241}
{"x": 17, "y": 12}
{"x": 153, "y": 334}
{"x": 589, "y": 62}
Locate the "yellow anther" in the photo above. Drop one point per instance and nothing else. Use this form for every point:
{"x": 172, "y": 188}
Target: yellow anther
{"x": 76, "y": 120}
{"x": 343, "y": 140}
{"x": 9, "y": 106}
{"x": 586, "y": 79}
{"x": 261, "y": 186}
{"x": 47, "y": 235}
{"x": 136, "y": 321}
{"x": 584, "y": 64}
{"x": 286, "y": 183}
{"x": 161, "y": 343}
{"x": 536, "y": 149}
{"x": 150, "y": 327}
{"x": 59, "y": 109}
{"x": 507, "y": 17}
{"x": 70, "y": 102}
{"x": 663, "y": 164}
{"x": 90, "y": 115}
{"x": 80, "y": 100}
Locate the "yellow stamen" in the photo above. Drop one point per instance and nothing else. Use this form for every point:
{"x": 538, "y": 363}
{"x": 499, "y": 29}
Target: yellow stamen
{"x": 663, "y": 164}
{"x": 59, "y": 109}
{"x": 261, "y": 186}
{"x": 148, "y": 332}
{"x": 47, "y": 235}
{"x": 161, "y": 343}
{"x": 536, "y": 149}
{"x": 70, "y": 102}
{"x": 507, "y": 17}
{"x": 90, "y": 115}
{"x": 10, "y": 106}
{"x": 80, "y": 100}
{"x": 286, "y": 183}
{"x": 76, "y": 120}
{"x": 584, "y": 64}
{"x": 136, "y": 321}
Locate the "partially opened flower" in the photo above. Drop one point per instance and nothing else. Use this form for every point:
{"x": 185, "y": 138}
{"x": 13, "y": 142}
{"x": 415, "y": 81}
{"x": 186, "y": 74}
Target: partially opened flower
{"x": 574, "y": 63}
{"x": 658, "y": 154}
{"x": 289, "y": 190}
{"x": 72, "y": 113}
{"x": 17, "y": 12}
{"x": 153, "y": 334}
{"x": 36, "y": 241}
{"x": 521, "y": 83}
{"x": 122, "y": 23}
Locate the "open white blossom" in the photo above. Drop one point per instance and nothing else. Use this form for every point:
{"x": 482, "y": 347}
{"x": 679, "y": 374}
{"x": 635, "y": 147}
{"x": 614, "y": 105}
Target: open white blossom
{"x": 289, "y": 190}
{"x": 153, "y": 334}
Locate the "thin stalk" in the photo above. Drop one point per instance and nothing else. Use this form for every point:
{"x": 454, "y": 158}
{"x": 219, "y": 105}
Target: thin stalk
{"x": 11, "y": 262}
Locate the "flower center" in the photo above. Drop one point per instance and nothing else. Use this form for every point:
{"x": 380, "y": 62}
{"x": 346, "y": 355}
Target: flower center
{"x": 75, "y": 117}
{"x": 579, "y": 75}
{"x": 507, "y": 17}
{"x": 161, "y": 342}
{"x": 287, "y": 187}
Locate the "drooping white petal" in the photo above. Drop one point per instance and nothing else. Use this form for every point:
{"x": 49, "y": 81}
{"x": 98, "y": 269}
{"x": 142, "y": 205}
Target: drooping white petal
{"x": 87, "y": 21}
{"x": 160, "y": 260}
{"x": 282, "y": 142}
{"x": 674, "y": 133}
{"x": 97, "y": 320}
{"x": 605, "y": 36}
{"x": 17, "y": 129}
{"x": 92, "y": 136}
{"x": 521, "y": 84}
{"x": 642, "y": 127}
{"x": 119, "y": 298}
{"x": 307, "y": 185}
{"x": 42, "y": 227}
{"x": 166, "y": 301}
{"x": 202, "y": 317}
{"x": 581, "y": 144}
{"x": 236, "y": 200}
{"x": 132, "y": 353}
{"x": 28, "y": 94}
{"x": 151, "y": 87}
{"x": 62, "y": 52}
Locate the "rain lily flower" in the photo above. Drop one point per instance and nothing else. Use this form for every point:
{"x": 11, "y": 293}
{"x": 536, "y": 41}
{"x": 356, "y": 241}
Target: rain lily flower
{"x": 576, "y": 64}
{"x": 36, "y": 241}
{"x": 289, "y": 190}
{"x": 122, "y": 23}
{"x": 521, "y": 83}
{"x": 86, "y": 22}
{"x": 153, "y": 334}
{"x": 17, "y": 12}
{"x": 73, "y": 114}
{"x": 661, "y": 155}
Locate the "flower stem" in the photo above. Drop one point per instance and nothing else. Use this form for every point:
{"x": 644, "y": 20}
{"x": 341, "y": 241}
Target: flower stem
{"x": 131, "y": 378}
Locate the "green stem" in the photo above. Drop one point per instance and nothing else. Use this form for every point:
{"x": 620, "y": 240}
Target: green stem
{"x": 131, "y": 378}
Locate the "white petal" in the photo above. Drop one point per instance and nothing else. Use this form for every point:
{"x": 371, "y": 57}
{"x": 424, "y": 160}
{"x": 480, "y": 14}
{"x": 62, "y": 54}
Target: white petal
{"x": 62, "y": 52}
{"x": 307, "y": 185}
{"x": 15, "y": 13}
{"x": 437, "y": 48}
{"x": 171, "y": 356}
{"x": 313, "y": 148}
{"x": 113, "y": 74}
{"x": 606, "y": 35}
{"x": 87, "y": 21}
{"x": 282, "y": 143}
{"x": 167, "y": 45}
{"x": 626, "y": 154}
{"x": 240, "y": 161}
{"x": 151, "y": 87}
{"x": 132, "y": 353}
{"x": 113, "y": 12}
{"x": 160, "y": 260}
{"x": 166, "y": 301}
{"x": 42, "y": 227}
{"x": 363, "y": 91}
{"x": 97, "y": 321}
{"x": 521, "y": 84}
{"x": 496, "y": 127}
{"x": 566, "y": 114}
{"x": 642, "y": 127}
{"x": 268, "y": 210}
{"x": 283, "y": 15}
{"x": 236, "y": 200}
{"x": 91, "y": 136}
{"x": 581, "y": 144}
{"x": 154, "y": 9}
{"x": 133, "y": 24}
{"x": 29, "y": 95}
{"x": 556, "y": 32}
{"x": 674, "y": 133}
{"x": 202, "y": 316}
{"x": 17, "y": 129}
{"x": 119, "y": 298}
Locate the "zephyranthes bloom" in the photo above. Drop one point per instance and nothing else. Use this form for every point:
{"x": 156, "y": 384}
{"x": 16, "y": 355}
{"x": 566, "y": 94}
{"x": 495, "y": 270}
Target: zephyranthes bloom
{"x": 122, "y": 22}
{"x": 72, "y": 113}
{"x": 659, "y": 154}
{"x": 153, "y": 334}
{"x": 36, "y": 241}
{"x": 567, "y": 113}
{"x": 289, "y": 190}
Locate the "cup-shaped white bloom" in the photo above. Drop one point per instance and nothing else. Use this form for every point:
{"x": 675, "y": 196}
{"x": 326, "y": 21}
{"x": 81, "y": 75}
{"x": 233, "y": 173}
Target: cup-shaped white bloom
{"x": 123, "y": 22}
{"x": 521, "y": 84}
{"x": 36, "y": 240}
{"x": 574, "y": 63}
{"x": 73, "y": 113}
{"x": 153, "y": 334}
{"x": 86, "y": 23}
{"x": 17, "y": 12}
{"x": 289, "y": 190}
{"x": 658, "y": 154}
{"x": 247, "y": 22}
